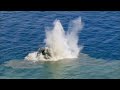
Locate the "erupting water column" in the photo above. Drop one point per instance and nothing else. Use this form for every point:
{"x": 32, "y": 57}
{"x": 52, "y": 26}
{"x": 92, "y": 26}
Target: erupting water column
{"x": 61, "y": 45}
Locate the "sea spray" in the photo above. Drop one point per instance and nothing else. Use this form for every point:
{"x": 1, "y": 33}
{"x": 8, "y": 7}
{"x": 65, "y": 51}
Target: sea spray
{"x": 61, "y": 44}
{"x": 72, "y": 36}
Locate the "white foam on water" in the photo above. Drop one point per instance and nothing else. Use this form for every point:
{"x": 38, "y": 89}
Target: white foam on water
{"x": 60, "y": 43}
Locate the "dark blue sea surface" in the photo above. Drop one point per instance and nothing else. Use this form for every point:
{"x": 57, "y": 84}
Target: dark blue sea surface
{"x": 22, "y": 32}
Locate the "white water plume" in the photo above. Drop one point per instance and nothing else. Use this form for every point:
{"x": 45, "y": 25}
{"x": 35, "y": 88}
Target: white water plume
{"x": 60, "y": 44}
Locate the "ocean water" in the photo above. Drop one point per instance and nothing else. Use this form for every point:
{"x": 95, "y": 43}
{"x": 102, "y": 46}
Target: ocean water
{"x": 22, "y": 32}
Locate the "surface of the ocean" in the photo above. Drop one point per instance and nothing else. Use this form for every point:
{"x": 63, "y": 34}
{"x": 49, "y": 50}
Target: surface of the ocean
{"x": 22, "y": 32}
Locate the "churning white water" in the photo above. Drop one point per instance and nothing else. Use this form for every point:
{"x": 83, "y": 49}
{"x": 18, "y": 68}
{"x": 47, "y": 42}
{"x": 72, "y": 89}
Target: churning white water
{"x": 60, "y": 44}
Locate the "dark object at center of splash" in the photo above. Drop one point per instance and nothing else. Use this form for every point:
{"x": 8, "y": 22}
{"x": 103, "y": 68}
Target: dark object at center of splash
{"x": 45, "y": 52}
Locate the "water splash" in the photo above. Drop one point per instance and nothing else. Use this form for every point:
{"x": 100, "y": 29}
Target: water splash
{"x": 61, "y": 44}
